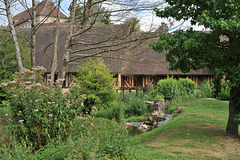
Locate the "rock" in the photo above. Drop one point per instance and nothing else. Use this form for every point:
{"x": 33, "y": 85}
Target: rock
{"x": 178, "y": 110}
{"x": 144, "y": 127}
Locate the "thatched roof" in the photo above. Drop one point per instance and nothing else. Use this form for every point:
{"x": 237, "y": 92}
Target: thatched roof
{"x": 45, "y": 8}
{"x": 133, "y": 58}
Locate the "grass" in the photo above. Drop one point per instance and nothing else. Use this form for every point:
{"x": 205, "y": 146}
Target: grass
{"x": 197, "y": 133}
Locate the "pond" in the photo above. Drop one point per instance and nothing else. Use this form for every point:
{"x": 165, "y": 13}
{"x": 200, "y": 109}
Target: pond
{"x": 132, "y": 127}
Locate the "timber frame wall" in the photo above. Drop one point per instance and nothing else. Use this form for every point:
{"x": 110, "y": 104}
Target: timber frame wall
{"x": 140, "y": 81}
{"x": 136, "y": 81}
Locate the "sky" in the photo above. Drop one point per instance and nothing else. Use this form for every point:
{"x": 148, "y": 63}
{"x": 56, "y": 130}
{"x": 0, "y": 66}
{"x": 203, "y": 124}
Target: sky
{"x": 148, "y": 20}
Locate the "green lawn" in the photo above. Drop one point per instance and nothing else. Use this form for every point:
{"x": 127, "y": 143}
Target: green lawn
{"x": 197, "y": 133}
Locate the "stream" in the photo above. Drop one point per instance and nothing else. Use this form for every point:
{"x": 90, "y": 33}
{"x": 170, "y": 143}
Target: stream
{"x": 133, "y": 126}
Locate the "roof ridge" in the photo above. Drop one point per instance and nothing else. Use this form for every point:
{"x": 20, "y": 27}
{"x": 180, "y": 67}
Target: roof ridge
{"x": 44, "y": 5}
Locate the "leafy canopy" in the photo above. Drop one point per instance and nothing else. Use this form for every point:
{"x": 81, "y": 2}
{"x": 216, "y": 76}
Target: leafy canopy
{"x": 192, "y": 49}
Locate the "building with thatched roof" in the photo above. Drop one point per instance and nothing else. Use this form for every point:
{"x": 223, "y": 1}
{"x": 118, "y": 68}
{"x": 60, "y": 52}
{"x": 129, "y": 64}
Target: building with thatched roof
{"x": 134, "y": 63}
{"x": 46, "y": 14}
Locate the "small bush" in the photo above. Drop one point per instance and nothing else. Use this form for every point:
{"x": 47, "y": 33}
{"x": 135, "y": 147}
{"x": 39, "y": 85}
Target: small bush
{"x": 137, "y": 107}
{"x": 114, "y": 112}
{"x": 39, "y": 113}
{"x": 224, "y": 94}
{"x": 204, "y": 90}
{"x": 99, "y": 138}
{"x": 96, "y": 83}
{"x": 186, "y": 86}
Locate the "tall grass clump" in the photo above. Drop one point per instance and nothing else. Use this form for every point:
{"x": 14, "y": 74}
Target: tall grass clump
{"x": 224, "y": 94}
{"x": 204, "y": 90}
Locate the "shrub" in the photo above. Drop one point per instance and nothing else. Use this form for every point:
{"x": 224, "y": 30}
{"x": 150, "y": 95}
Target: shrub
{"x": 39, "y": 113}
{"x": 99, "y": 138}
{"x": 115, "y": 112}
{"x": 224, "y": 94}
{"x": 167, "y": 87}
{"x": 137, "y": 107}
{"x": 204, "y": 90}
{"x": 186, "y": 86}
{"x": 96, "y": 83}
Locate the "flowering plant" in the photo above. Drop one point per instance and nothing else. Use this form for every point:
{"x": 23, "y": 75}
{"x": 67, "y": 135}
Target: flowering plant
{"x": 40, "y": 113}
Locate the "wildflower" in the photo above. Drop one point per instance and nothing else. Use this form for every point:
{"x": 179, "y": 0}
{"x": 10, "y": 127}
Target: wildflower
{"x": 38, "y": 84}
{"x": 68, "y": 106}
{"x": 20, "y": 121}
{"x": 37, "y": 100}
{"x": 35, "y": 110}
{"x": 50, "y": 115}
{"x": 15, "y": 95}
{"x": 91, "y": 124}
{"x": 3, "y": 84}
{"x": 28, "y": 82}
{"x": 28, "y": 87}
{"x": 20, "y": 111}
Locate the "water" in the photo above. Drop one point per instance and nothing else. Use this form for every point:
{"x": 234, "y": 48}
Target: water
{"x": 133, "y": 126}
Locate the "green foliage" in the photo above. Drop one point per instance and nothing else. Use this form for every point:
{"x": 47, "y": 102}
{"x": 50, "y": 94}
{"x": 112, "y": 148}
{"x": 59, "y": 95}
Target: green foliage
{"x": 39, "y": 114}
{"x": 217, "y": 50}
{"x": 114, "y": 112}
{"x": 133, "y": 22}
{"x": 224, "y": 94}
{"x": 8, "y": 59}
{"x": 89, "y": 138}
{"x": 186, "y": 86}
{"x": 96, "y": 83}
{"x": 137, "y": 107}
{"x": 167, "y": 87}
{"x": 100, "y": 138}
{"x": 204, "y": 90}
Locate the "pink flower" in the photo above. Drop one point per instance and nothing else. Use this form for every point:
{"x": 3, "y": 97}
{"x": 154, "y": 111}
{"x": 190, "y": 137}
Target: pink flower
{"x": 38, "y": 84}
{"x": 28, "y": 82}
{"x": 15, "y": 95}
{"x": 68, "y": 106}
{"x": 50, "y": 115}
{"x": 35, "y": 110}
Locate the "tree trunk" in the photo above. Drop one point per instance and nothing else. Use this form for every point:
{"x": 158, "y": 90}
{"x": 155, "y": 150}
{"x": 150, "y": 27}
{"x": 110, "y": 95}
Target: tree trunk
{"x": 54, "y": 63}
{"x": 33, "y": 34}
{"x": 68, "y": 45}
{"x": 14, "y": 37}
{"x": 234, "y": 108}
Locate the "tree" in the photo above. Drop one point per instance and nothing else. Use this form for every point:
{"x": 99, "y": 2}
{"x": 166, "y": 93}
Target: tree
{"x": 103, "y": 16}
{"x": 7, "y": 56}
{"x": 13, "y": 35}
{"x": 54, "y": 63}
{"x": 96, "y": 83}
{"x": 193, "y": 50}
{"x": 133, "y": 22}
{"x": 112, "y": 41}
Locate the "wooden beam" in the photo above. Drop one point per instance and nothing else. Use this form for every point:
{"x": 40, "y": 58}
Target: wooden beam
{"x": 119, "y": 80}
